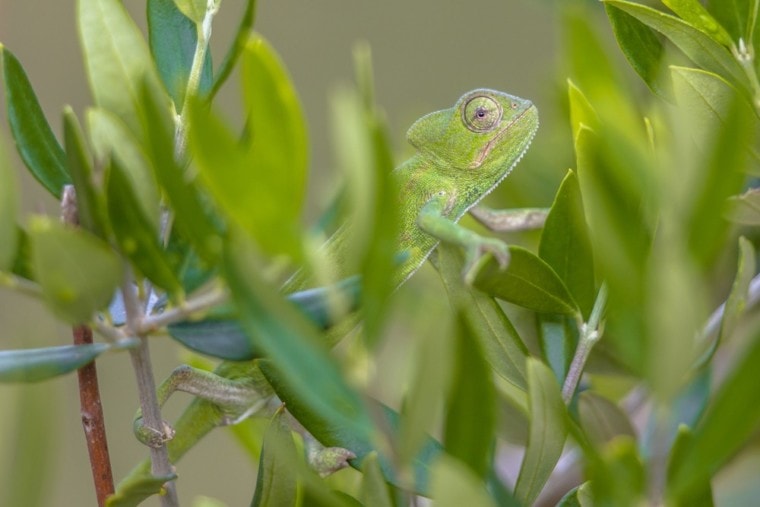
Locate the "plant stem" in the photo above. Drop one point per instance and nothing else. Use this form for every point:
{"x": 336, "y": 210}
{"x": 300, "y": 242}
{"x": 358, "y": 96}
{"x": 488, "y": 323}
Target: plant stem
{"x": 199, "y": 303}
{"x": 589, "y": 335}
{"x": 91, "y": 408}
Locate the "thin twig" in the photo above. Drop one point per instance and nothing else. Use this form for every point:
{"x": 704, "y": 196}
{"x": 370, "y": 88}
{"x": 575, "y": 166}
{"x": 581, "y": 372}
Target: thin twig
{"x": 91, "y": 409}
{"x": 194, "y": 305}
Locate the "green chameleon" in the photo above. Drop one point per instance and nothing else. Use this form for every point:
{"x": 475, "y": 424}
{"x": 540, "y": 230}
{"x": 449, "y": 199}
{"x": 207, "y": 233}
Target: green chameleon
{"x": 463, "y": 153}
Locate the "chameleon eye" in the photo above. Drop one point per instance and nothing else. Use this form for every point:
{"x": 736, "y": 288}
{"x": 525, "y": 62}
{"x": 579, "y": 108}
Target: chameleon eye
{"x": 481, "y": 113}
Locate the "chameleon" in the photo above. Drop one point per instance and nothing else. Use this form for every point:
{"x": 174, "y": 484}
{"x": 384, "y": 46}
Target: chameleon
{"x": 462, "y": 154}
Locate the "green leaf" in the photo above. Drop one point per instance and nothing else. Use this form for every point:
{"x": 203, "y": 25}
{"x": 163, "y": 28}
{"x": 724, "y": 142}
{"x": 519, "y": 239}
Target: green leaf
{"x": 173, "y": 38}
{"x": 546, "y": 436}
{"x": 565, "y": 245}
{"x": 133, "y": 492}
{"x": 730, "y": 420}
{"x": 737, "y": 16}
{"x": 135, "y": 234}
{"x": 619, "y": 478}
{"x": 193, "y": 9}
{"x": 192, "y": 215}
{"x": 77, "y": 271}
{"x": 9, "y": 240}
{"x": 258, "y": 184}
{"x": 35, "y": 142}
{"x": 374, "y": 490}
{"x": 558, "y": 338}
{"x": 500, "y": 342}
{"x": 112, "y": 140}
{"x": 116, "y": 57}
{"x": 699, "y": 47}
{"x": 738, "y": 298}
{"x": 34, "y": 365}
{"x": 581, "y": 111}
{"x": 89, "y": 199}
{"x": 233, "y": 53}
{"x": 701, "y": 495}
{"x": 745, "y": 208}
{"x": 528, "y": 282}
{"x": 277, "y": 480}
{"x": 697, "y": 16}
{"x": 225, "y": 339}
{"x": 641, "y": 46}
{"x": 454, "y": 485}
{"x": 470, "y": 423}
{"x": 602, "y": 419}
{"x": 579, "y": 496}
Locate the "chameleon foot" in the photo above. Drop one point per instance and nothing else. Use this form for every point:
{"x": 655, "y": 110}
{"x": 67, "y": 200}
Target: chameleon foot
{"x": 150, "y": 436}
{"x": 328, "y": 460}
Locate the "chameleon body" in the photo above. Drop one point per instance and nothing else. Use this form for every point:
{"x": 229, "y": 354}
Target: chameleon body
{"x": 462, "y": 154}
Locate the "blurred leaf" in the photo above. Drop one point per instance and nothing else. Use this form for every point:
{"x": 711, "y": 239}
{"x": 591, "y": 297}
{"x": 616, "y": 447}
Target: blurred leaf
{"x": 731, "y": 418}
{"x": 699, "y": 47}
{"x": 206, "y": 501}
{"x": 276, "y": 483}
{"x": 33, "y": 447}
{"x": 701, "y": 495}
{"x": 259, "y": 185}
{"x": 725, "y": 161}
{"x": 579, "y": 496}
{"x": 455, "y": 485}
{"x": 737, "y": 16}
{"x": 565, "y": 244}
{"x": 116, "y": 57}
{"x": 9, "y": 240}
{"x": 528, "y": 282}
{"x": 602, "y": 419}
{"x": 133, "y": 492}
{"x": 89, "y": 199}
{"x": 173, "y": 38}
{"x": 640, "y": 45}
{"x": 34, "y": 365}
{"x": 193, "y": 9}
{"x": 697, "y": 16}
{"x": 619, "y": 479}
{"x": 112, "y": 140}
{"x": 470, "y": 422}
{"x": 35, "y": 142}
{"x": 374, "y": 490}
{"x": 22, "y": 264}
{"x": 278, "y": 156}
{"x": 77, "y": 271}
{"x": 192, "y": 216}
{"x": 745, "y": 208}
{"x": 500, "y": 342}
{"x": 136, "y": 236}
{"x": 233, "y": 53}
{"x": 546, "y": 436}
{"x": 737, "y": 299}
{"x": 581, "y": 111}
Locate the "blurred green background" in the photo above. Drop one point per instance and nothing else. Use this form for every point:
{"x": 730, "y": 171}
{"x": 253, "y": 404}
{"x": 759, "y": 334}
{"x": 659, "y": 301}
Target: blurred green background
{"x": 426, "y": 54}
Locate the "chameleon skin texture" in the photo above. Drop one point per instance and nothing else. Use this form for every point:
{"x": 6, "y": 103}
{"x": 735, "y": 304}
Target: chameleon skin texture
{"x": 463, "y": 153}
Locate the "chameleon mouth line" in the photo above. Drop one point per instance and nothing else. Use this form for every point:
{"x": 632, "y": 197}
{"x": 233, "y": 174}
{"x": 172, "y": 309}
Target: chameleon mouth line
{"x": 497, "y": 137}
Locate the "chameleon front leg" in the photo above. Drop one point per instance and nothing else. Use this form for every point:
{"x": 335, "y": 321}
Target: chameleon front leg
{"x": 511, "y": 220}
{"x": 433, "y": 221}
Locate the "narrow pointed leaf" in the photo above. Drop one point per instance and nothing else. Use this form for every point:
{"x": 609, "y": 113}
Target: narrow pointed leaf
{"x": 374, "y": 490}
{"x": 9, "y": 238}
{"x": 116, "y": 57}
{"x": 454, "y": 485}
{"x": 78, "y": 272}
{"x": 546, "y": 437}
{"x": 136, "y": 236}
{"x": 233, "y": 53}
{"x": 528, "y": 282}
{"x": 173, "y": 37}
{"x": 277, "y": 480}
{"x": 90, "y": 204}
{"x": 504, "y": 350}
{"x": 193, "y": 9}
{"x": 35, "y": 142}
{"x": 34, "y": 365}
{"x": 132, "y": 493}
{"x": 697, "y": 16}
{"x": 470, "y": 423}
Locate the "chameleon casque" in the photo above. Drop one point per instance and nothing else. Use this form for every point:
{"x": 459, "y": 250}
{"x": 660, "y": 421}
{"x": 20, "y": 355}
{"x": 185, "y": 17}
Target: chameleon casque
{"x": 462, "y": 154}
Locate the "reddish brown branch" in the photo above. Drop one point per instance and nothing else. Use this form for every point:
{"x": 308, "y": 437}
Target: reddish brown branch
{"x": 93, "y": 422}
{"x": 89, "y": 392}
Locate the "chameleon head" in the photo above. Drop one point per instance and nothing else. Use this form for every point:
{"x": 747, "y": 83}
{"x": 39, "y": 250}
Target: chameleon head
{"x": 485, "y": 129}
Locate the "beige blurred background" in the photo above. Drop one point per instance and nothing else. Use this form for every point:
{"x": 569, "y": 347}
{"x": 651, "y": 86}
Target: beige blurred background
{"x": 426, "y": 54}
